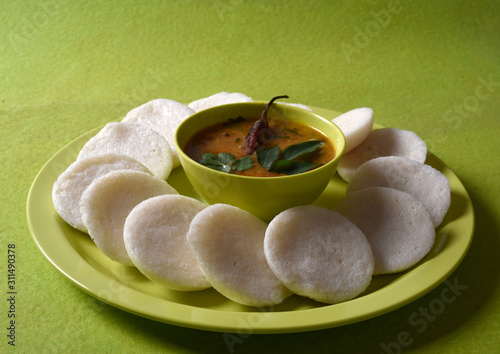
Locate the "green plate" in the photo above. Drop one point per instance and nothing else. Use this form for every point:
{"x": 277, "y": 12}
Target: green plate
{"x": 75, "y": 255}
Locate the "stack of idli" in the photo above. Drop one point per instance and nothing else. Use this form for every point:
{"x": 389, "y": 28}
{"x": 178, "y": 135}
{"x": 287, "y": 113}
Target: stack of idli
{"x": 108, "y": 200}
{"x": 382, "y": 142}
{"x": 134, "y": 140}
{"x": 363, "y": 143}
{"x": 70, "y": 185}
{"x": 165, "y": 115}
{"x": 116, "y": 191}
{"x": 398, "y": 203}
{"x": 122, "y": 165}
{"x": 398, "y": 227}
{"x": 422, "y": 181}
{"x": 392, "y": 195}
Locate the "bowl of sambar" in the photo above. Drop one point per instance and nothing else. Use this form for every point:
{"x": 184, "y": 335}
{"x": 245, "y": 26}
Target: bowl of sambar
{"x": 231, "y": 155}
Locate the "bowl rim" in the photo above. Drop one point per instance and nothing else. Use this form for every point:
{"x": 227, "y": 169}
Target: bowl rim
{"x": 337, "y": 157}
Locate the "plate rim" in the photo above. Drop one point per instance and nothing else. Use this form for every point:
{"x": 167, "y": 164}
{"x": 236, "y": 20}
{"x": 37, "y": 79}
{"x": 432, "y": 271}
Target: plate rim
{"x": 253, "y": 321}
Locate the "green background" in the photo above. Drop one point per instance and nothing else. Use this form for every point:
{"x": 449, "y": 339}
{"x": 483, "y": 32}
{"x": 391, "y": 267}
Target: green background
{"x": 428, "y": 66}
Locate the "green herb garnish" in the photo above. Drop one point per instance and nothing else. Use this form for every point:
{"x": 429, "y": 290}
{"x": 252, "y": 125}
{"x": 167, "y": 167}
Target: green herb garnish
{"x": 266, "y": 157}
{"x": 290, "y": 167}
{"x": 243, "y": 164}
{"x": 294, "y": 151}
{"x": 226, "y": 162}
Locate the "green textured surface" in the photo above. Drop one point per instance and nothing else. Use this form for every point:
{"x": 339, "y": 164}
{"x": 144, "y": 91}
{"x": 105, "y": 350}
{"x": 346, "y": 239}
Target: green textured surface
{"x": 428, "y": 66}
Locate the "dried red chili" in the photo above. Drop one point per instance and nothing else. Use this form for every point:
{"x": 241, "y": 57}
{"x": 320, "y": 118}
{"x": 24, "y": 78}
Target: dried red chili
{"x": 260, "y": 132}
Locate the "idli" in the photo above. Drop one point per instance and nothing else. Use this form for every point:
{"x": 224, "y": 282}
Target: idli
{"x": 134, "y": 140}
{"x": 397, "y": 225}
{"x": 71, "y": 184}
{"x": 155, "y": 236}
{"x": 228, "y": 244}
{"x": 319, "y": 253}
{"x": 164, "y": 116}
{"x": 424, "y": 182}
{"x": 218, "y": 99}
{"x": 108, "y": 200}
{"x": 356, "y": 125}
{"x": 383, "y": 142}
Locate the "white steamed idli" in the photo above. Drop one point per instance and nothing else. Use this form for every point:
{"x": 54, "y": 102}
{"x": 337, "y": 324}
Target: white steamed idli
{"x": 71, "y": 184}
{"x": 398, "y": 226}
{"x": 137, "y": 141}
{"x": 319, "y": 253}
{"x": 155, "y": 236}
{"x": 218, "y": 99}
{"x": 164, "y": 116}
{"x": 228, "y": 244}
{"x": 108, "y": 200}
{"x": 356, "y": 125}
{"x": 383, "y": 142}
{"x": 424, "y": 182}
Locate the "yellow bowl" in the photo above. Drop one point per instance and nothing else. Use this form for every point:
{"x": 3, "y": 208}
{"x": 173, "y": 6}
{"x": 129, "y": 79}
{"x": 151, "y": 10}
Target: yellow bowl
{"x": 265, "y": 197}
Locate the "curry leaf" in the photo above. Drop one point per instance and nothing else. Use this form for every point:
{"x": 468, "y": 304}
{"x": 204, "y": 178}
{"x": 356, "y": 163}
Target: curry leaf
{"x": 221, "y": 168}
{"x": 209, "y": 159}
{"x": 280, "y": 166}
{"x": 290, "y": 167}
{"x": 267, "y": 156}
{"x": 297, "y": 150}
{"x": 243, "y": 164}
{"x": 226, "y": 158}
{"x": 226, "y": 162}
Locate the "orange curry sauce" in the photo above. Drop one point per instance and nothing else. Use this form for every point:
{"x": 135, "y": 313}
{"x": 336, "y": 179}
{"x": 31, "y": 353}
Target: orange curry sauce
{"x": 230, "y": 137}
